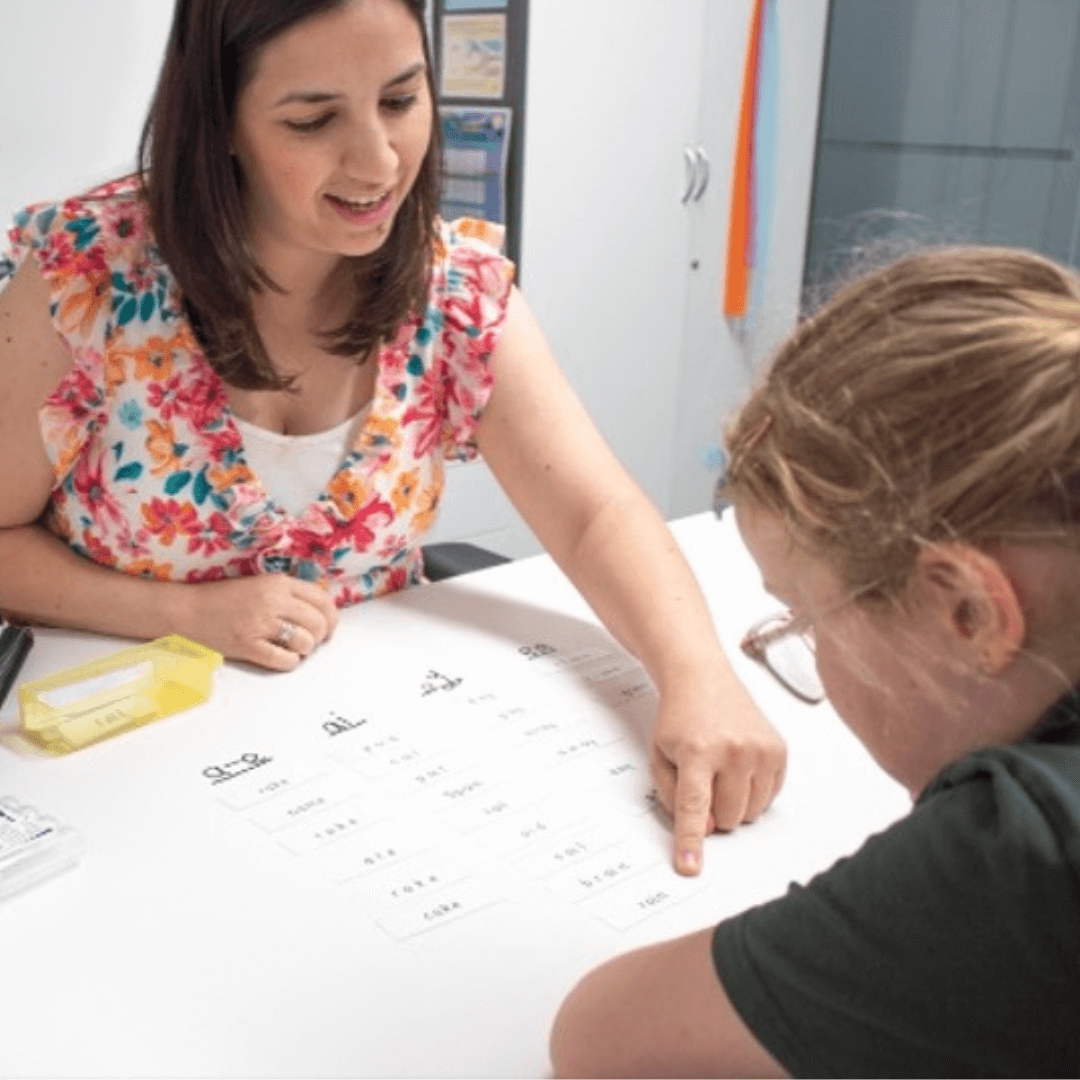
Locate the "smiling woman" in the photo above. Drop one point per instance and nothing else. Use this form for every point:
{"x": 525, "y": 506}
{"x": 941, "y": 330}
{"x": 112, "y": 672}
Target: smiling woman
{"x": 316, "y": 147}
{"x": 237, "y": 373}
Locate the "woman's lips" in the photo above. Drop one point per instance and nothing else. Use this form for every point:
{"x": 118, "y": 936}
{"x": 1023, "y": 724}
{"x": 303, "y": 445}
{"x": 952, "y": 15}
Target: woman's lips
{"x": 369, "y": 212}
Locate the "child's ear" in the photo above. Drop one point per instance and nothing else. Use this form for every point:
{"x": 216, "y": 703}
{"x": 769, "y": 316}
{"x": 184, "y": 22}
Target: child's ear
{"x": 976, "y": 602}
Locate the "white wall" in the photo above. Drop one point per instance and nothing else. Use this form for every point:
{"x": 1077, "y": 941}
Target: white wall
{"x": 75, "y": 81}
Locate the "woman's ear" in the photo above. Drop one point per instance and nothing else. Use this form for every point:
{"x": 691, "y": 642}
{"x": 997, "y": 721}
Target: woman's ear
{"x": 976, "y": 602}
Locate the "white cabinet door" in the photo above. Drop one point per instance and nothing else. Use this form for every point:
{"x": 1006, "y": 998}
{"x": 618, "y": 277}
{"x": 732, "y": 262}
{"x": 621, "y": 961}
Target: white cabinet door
{"x": 719, "y": 357}
{"x": 713, "y": 372}
{"x": 612, "y": 99}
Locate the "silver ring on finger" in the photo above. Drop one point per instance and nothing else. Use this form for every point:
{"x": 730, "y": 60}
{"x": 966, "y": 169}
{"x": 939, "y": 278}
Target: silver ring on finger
{"x": 284, "y": 634}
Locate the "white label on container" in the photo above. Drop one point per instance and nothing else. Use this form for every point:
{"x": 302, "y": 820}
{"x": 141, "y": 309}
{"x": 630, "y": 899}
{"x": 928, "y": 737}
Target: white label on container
{"x": 61, "y": 696}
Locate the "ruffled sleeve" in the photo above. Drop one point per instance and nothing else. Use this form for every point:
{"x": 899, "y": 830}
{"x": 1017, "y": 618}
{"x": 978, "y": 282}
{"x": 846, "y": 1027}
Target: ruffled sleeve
{"x": 476, "y": 290}
{"x": 77, "y": 244}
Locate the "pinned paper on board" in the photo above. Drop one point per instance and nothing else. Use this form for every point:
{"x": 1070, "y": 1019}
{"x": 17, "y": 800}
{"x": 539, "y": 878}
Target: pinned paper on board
{"x": 476, "y": 143}
{"x": 473, "y": 56}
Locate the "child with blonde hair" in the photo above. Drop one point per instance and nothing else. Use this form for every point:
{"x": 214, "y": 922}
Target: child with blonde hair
{"x": 907, "y": 478}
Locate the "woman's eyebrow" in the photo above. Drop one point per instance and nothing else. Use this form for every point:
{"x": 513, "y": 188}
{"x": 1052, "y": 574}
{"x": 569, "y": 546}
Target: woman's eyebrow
{"x": 319, "y": 97}
{"x": 406, "y": 75}
{"x": 306, "y": 97}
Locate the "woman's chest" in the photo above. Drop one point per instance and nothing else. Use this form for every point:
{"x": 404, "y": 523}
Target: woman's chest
{"x": 167, "y": 445}
{"x": 323, "y": 393}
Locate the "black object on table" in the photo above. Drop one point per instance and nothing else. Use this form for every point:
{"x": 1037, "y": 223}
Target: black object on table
{"x": 15, "y": 643}
{"x": 452, "y": 558}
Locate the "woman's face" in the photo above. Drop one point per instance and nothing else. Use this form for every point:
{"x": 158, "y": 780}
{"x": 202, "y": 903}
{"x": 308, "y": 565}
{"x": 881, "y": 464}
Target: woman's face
{"x": 892, "y": 679}
{"x": 331, "y": 130}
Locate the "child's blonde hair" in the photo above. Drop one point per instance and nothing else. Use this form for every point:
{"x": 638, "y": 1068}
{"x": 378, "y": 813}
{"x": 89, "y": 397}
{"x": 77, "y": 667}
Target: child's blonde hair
{"x": 935, "y": 399}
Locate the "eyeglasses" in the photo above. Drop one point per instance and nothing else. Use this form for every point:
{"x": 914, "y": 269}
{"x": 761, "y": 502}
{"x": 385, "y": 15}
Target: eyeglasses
{"x": 784, "y": 645}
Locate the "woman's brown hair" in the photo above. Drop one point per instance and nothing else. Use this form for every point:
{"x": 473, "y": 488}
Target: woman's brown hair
{"x": 935, "y": 399}
{"x": 193, "y": 187}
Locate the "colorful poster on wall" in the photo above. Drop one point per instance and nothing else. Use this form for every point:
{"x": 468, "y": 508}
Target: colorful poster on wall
{"x": 473, "y": 56}
{"x": 475, "y": 148}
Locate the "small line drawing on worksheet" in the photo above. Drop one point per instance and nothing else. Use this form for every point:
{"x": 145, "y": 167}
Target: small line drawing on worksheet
{"x": 430, "y": 819}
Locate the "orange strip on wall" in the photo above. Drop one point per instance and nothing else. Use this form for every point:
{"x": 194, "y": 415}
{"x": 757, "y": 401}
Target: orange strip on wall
{"x": 736, "y": 280}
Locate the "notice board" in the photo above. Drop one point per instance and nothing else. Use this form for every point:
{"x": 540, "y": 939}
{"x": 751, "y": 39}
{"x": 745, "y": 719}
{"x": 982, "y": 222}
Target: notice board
{"x": 480, "y": 49}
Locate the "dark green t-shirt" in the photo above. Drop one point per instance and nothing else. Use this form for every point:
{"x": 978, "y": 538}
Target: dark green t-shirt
{"x": 948, "y": 945}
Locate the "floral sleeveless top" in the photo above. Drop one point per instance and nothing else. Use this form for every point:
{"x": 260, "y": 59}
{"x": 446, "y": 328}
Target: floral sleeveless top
{"x": 151, "y": 477}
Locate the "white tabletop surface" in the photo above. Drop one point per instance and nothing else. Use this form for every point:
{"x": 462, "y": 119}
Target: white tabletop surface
{"x": 412, "y": 896}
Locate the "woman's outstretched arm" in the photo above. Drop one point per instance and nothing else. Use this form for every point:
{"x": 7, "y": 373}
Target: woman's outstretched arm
{"x": 716, "y": 761}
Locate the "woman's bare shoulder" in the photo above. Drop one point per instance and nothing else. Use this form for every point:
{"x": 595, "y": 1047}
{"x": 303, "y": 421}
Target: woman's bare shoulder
{"x": 26, "y": 327}
{"x": 33, "y": 359}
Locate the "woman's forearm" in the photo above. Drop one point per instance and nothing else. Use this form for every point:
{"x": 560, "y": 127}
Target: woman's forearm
{"x": 714, "y": 759}
{"x": 43, "y": 581}
{"x": 628, "y": 566}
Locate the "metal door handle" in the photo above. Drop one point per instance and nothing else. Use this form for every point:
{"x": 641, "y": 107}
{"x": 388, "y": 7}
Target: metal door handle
{"x": 703, "y": 161}
{"x": 690, "y": 157}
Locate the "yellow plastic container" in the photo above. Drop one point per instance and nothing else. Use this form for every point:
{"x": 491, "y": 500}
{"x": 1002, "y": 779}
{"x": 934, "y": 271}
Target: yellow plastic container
{"x": 85, "y": 704}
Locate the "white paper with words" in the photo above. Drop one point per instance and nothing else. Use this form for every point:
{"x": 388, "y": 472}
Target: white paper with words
{"x": 443, "y": 801}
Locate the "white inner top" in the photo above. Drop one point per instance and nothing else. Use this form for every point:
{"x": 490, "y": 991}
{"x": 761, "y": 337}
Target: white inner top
{"x": 295, "y": 469}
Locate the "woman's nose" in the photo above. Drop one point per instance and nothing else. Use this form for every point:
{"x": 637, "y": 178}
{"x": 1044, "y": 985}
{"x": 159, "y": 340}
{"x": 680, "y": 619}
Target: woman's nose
{"x": 369, "y": 154}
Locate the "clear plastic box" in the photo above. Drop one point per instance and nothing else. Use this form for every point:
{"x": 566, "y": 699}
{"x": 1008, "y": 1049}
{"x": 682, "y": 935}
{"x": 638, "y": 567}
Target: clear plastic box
{"x": 33, "y": 846}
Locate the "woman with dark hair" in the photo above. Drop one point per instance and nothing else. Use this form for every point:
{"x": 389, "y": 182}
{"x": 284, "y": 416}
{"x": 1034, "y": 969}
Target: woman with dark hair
{"x": 234, "y": 376}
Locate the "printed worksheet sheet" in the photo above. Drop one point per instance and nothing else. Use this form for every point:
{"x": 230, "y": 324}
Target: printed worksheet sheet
{"x": 430, "y": 807}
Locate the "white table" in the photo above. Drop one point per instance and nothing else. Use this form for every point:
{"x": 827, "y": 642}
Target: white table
{"x": 199, "y": 938}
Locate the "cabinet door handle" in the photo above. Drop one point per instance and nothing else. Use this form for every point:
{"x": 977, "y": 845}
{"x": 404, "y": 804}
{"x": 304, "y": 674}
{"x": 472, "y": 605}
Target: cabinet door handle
{"x": 690, "y": 157}
{"x": 703, "y": 161}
